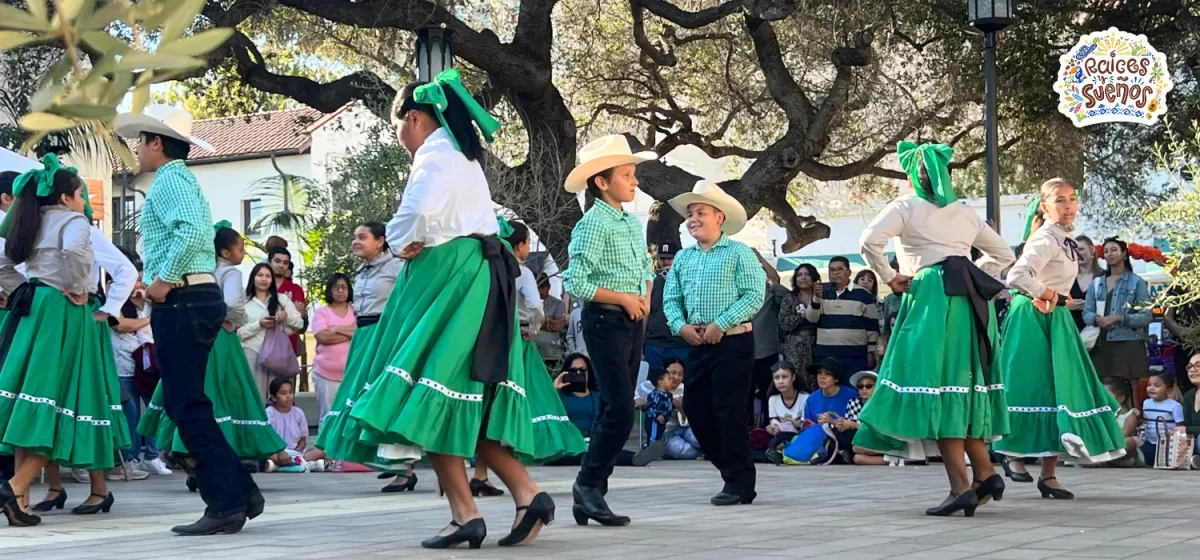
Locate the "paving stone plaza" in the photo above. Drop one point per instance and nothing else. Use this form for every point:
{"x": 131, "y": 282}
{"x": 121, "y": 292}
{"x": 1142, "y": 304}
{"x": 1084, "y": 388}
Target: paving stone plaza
{"x": 861, "y": 513}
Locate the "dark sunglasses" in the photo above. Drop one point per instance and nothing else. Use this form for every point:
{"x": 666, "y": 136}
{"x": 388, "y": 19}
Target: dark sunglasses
{"x": 865, "y": 386}
{"x": 577, "y": 370}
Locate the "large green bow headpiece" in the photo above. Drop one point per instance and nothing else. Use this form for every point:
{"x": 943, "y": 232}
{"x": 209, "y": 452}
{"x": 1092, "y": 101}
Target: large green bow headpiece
{"x": 434, "y": 93}
{"x": 937, "y": 160}
{"x": 1030, "y": 214}
{"x": 43, "y": 180}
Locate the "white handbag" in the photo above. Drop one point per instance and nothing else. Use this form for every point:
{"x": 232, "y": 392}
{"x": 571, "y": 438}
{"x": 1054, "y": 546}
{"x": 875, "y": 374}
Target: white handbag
{"x": 1090, "y": 335}
{"x": 1174, "y": 450}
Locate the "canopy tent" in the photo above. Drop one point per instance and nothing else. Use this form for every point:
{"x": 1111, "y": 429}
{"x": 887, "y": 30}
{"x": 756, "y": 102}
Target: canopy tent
{"x": 821, "y": 262}
{"x": 12, "y": 161}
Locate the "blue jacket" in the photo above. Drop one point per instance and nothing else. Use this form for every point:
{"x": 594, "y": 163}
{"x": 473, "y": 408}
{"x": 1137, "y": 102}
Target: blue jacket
{"x": 1131, "y": 298}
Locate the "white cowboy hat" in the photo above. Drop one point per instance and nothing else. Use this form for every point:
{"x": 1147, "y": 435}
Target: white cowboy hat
{"x": 854, "y": 379}
{"x": 710, "y": 193}
{"x": 601, "y": 154}
{"x": 163, "y": 120}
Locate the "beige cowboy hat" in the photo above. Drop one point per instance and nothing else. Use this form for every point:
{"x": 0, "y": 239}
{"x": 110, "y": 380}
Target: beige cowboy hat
{"x": 710, "y": 193}
{"x": 601, "y": 154}
{"x": 163, "y": 120}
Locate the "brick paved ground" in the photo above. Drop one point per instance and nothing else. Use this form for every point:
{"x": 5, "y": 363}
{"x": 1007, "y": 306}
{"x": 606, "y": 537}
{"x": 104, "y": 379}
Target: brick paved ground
{"x": 802, "y": 512}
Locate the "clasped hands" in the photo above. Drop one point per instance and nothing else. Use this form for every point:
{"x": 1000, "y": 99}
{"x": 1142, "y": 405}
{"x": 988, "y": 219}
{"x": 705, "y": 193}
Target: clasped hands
{"x": 697, "y": 335}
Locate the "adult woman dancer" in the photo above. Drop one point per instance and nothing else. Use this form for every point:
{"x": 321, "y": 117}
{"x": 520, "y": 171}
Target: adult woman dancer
{"x": 1057, "y": 404}
{"x": 936, "y": 382}
{"x": 453, "y": 381}
{"x": 229, "y": 380}
{"x": 51, "y": 351}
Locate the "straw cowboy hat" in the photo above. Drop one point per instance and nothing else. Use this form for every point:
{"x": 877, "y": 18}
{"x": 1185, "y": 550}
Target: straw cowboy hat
{"x": 710, "y": 193}
{"x": 601, "y": 154}
{"x": 163, "y": 120}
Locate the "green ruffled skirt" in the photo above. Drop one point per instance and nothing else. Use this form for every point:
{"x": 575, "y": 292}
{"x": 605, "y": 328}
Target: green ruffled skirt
{"x": 1054, "y": 394}
{"x": 424, "y": 400}
{"x": 341, "y": 437}
{"x": 237, "y": 407}
{"x": 931, "y": 385}
{"x": 59, "y": 392}
{"x": 554, "y": 436}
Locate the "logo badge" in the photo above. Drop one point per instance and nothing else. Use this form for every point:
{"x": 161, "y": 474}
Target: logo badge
{"x": 1113, "y": 76}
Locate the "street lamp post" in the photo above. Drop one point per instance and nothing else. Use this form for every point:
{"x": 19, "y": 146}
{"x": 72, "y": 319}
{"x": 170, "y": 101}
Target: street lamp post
{"x": 989, "y": 17}
{"x": 434, "y": 53}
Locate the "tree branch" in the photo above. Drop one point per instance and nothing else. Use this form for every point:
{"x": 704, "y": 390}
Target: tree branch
{"x": 691, "y": 20}
{"x": 661, "y": 58}
{"x": 801, "y": 230}
{"x": 783, "y": 88}
{"x": 535, "y": 30}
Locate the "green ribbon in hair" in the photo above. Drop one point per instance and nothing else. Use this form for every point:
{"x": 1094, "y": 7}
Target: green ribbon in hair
{"x": 506, "y": 229}
{"x": 1030, "y": 214}
{"x": 434, "y": 93}
{"x": 221, "y": 224}
{"x": 937, "y": 159}
{"x": 43, "y": 180}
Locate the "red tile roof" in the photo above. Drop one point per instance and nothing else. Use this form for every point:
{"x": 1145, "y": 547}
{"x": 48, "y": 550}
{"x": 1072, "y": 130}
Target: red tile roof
{"x": 251, "y": 136}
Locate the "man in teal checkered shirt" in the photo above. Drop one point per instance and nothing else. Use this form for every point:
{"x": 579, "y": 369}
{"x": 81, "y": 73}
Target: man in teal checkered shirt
{"x": 713, "y": 291}
{"x": 188, "y": 310}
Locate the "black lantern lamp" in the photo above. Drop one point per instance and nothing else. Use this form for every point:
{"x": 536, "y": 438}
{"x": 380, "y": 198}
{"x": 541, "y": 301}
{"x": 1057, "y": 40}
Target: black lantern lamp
{"x": 989, "y": 17}
{"x": 434, "y": 53}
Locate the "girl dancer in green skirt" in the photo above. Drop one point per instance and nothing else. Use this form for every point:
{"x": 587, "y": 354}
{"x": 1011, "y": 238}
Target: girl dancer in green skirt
{"x": 1056, "y": 402}
{"x": 54, "y": 406}
{"x": 228, "y": 381}
{"x": 937, "y": 382}
{"x": 453, "y": 382}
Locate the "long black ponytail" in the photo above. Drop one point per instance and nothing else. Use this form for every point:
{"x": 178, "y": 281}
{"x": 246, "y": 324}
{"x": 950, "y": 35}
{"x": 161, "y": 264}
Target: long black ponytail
{"x": 25, "y": 217}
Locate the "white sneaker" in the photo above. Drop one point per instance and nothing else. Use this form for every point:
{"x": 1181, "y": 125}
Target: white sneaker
{"x": 118, "y": 472}
{"x": 157, "y": 467}
{"x": 315, "y": 466}
{"x": 271, "y": 466}
{"x": 80, "y": 476}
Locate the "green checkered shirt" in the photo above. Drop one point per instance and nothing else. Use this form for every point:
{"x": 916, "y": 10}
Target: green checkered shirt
{"x": 607, "y": 250}
{"x": 724, "y": 285}
{"x": 177, "y": 226}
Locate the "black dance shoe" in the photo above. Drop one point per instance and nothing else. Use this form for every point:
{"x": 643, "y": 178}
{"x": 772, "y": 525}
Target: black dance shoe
{"x": 409, "y": 485}
{"x": 731, "y": 499}
{"x": 992, "y": 488}
{"x": 965, "y": 502}
{"x": 255, "y": 504}
{"x": 1055, "y": 493}
{"x": 484, "y": 488}
{"x": 58, "y": 502}
{"x": 10, "y": 503}
{"x": 92, "y": 509}
{"x": 590, "y": 504}
{"x": 539, "y": 513}
{"x": 212, "y": 526}
{"x": 472, "y": 532}
{"x": 1013, "y": 475}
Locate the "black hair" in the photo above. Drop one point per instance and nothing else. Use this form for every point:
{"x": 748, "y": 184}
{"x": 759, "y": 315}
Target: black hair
{"x": 656, "y": 375}
{"x": 520, "y": 234}
{"x": 26, "y": 216}
{"x": 6, "y": 181}
{"x": 874, "y": 283}
{"x": 887, "y": 323}
{"x": 133, "y": 258}
{"x": 278, "y": 383}
{"x": 173, "y": 148}
{"x": 592, "y": 384}
{"x": 1124, "y": 249}
{"x": 333, "y": 278}
{"x": 458, "y": 120}
{"x": 273, "y": 294}
{"x": 378, "y": 231}
{"x": 812, "y": 273}
{"x": 784, "y": 364}
{"x": 279, "y": 251}
{"x": 672, "y": 361}
{"x": 225, "y": 238}
{"x": 593, "y": 189}
{"x": 894, "y": 264}
{"x": 842, "y": 260}
{"x": 1123, "y": 390}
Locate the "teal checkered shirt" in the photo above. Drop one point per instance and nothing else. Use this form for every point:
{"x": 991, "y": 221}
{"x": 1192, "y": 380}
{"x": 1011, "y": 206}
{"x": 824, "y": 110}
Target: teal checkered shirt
{"x": 177, "y": 226}
{"x": 725, "y": 285}
{"x": 607, "y": 250}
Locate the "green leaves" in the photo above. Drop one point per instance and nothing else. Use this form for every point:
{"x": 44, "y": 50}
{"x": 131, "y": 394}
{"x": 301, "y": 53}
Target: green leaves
{"x": 45, "y": 122}
{"x": 13, "y": 39}
{"x": 197, "y": 44}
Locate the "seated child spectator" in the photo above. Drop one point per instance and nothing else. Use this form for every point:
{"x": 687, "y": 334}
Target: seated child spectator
{"x": 1129, "y": 418}
{"x": 785, "y": 408}
{"x": 674, "y": 368}
{"x": 829, "y": 404}
{"x": 846, "y": 427}
{"x": 291, "y": 424}
{"x": 1160, "y": 406}
{"x": 659, "y": 406}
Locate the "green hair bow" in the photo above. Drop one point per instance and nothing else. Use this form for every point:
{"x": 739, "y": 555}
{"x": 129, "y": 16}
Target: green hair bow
{"x": 434, "y": 93}
{"x": 506, "y": 229}
{"x": 43, "y": 181}
{"x": 1030, "y": 214}
{"x": 221, "y": 224}
{"x": 937, "y": 159}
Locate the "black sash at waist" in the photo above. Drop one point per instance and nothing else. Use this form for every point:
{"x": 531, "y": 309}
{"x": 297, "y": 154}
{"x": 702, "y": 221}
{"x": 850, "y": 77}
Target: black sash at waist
{"x": 961, "y": 277}
{"x": 489, "y": 363}
{"x": 365, "y": 320}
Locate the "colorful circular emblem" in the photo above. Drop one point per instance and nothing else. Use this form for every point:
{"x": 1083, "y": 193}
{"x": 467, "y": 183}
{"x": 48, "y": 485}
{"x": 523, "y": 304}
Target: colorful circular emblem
{"x": 1113, "y": 76}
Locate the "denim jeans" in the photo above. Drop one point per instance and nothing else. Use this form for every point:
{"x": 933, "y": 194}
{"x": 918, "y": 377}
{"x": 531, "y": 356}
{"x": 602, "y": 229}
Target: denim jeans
{"x": 615, "y": 369}
{"x": 185, "y": 326}
{"x": 133, "y": 415}
{"x": 682, "y": 445}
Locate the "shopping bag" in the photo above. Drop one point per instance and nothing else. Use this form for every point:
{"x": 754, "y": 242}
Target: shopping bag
{"x": 277, "y": 356}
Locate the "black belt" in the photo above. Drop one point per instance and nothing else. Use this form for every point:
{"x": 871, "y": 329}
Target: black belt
{"x": 361, "y": 321}
{"x": 961, "y": 277}
{"x": 607, "y": 306}
{"x": 489, "y": 363}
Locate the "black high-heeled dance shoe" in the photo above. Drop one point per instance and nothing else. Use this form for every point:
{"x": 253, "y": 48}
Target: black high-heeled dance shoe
{"x": 10, "y": 503}
{"x": 1055, "y": 493}
{"x": 965, "y": 502}
{"x": 539, "y": 513}
{"x": 1013, "y": 475}
{"x": 992, "y": 488}
{"x": 484, "y": 488}
{"x": 58, "y": 502}
{"x": 409, "y": 485}
{"x": 472, "y": 532}
{"x": 92, "y": 509}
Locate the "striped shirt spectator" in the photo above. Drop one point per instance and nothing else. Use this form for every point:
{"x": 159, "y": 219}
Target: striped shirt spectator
{"x": 847, "y": 320}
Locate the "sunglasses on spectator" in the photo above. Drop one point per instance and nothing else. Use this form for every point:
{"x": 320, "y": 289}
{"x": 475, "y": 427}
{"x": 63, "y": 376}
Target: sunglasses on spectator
{"x": 866, "y": 385}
